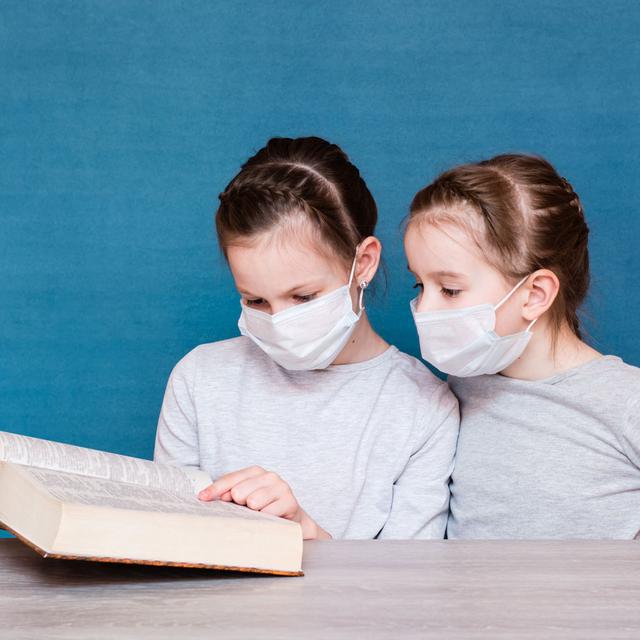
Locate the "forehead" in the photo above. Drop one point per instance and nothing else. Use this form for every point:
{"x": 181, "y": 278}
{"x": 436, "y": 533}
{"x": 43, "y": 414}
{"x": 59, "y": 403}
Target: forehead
{"x": 442, "y": 246}
{"x": 279, "y": 261}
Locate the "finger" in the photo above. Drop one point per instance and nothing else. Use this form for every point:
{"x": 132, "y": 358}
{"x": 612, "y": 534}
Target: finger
{"x": 262, "y": 497}
{"x": 226, "y": 497}
{"x": 286, "y": 507}
{"x": 226, "y": 482}
{"x": 243, "y": 489}
{"x": 206, "y": 494}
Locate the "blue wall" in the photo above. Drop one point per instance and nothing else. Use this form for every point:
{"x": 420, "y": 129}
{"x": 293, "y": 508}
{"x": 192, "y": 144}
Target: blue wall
{"x": 121, "y": 121}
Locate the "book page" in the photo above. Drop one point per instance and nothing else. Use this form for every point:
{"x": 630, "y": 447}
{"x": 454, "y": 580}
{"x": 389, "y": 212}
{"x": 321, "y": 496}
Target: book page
{"x": 99, "y": 464}
{"x": 80, "y": 489}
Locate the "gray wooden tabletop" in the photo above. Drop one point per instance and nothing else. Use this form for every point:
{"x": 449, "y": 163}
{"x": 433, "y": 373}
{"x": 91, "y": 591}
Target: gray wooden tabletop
{"x": 368, "y": 589}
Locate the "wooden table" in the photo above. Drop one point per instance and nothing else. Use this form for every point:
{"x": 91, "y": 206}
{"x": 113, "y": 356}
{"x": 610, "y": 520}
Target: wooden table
{"x": 369, "y": 589}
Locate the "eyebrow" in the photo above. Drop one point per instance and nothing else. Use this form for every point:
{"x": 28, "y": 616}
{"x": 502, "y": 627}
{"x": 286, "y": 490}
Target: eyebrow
{"x": 445, "y": 274}
{"x": 309, "y": 285}
{"x": 450, "y": 274}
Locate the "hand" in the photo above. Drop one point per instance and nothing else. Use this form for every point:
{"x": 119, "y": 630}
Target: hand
{"x": 264, "y": 491}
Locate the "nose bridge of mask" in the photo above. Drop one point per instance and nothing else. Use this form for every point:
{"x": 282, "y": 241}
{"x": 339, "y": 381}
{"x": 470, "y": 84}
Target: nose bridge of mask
{"x": 331, "y": 302}
{"x": 480, "y": 317}
{"x": 293, "y": 312}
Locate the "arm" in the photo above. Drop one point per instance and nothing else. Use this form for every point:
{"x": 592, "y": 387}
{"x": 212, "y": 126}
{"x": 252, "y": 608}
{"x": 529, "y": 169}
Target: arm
{"x": 177, "y": 433}
{"x": 420, "y": 503}
{"x": 631, "y": 433}
{"x": 631, "y": 437}
{"x": 177, "y": 444}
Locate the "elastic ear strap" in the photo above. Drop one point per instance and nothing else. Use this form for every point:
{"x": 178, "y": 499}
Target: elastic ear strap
{"x": 353, "y": 269}
{"x": 510, "y": 293}
{"x": 532, "y": 323}
{"x": 353, "y": 264}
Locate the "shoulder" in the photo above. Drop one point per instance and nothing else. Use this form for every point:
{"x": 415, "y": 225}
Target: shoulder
{"x": 611, "y": 382}
{"x": 413, "y": 378}
{"x": 231, "y": 349}
{"x": 464, "y": 384}
{"x": 622, "y": 381}
{"x": 619, "y": 385}
{"x": 218, "y": 356}
{"x": 614, "y": 370}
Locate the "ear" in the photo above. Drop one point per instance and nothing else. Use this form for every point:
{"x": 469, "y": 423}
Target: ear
{"x": 542, "y": 287}
{"x": 367, "y": 259}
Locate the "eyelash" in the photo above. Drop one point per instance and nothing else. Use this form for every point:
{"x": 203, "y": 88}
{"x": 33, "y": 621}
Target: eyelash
{"x": 306, "y": 298}
{"x": 256, "y": 302}
{"x": 450, "y": 293}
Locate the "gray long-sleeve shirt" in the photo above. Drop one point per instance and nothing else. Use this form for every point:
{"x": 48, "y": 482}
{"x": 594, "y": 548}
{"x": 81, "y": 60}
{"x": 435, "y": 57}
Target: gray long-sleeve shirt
{"x": 554, "y": 458}
{"x": 367, "y": 448}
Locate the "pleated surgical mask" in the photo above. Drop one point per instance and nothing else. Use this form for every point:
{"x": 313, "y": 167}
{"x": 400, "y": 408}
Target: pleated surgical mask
{"x": 305, "y": 336}
{"x": 463, "y": 342}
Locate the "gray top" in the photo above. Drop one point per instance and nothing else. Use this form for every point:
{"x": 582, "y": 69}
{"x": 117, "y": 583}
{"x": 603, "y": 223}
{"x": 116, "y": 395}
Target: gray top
{"x": 367, "y": 448}
{"x": 555, "y": 458}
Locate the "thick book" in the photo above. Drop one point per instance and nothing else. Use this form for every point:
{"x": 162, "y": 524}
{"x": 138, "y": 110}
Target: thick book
{"x": 70, "y": 502}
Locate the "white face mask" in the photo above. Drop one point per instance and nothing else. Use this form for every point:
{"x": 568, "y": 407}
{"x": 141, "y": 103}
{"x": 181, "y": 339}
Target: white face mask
{"x": 463, "y": 342}
{"x": 305, "y": 336}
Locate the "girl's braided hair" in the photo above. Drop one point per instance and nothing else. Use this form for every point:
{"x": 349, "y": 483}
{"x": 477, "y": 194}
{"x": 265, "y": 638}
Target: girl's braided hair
{"x": 524, "y": 216}
{"x": 298, "y": 179}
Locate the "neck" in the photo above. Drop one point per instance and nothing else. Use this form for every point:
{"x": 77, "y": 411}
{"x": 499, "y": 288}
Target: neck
{"x": 363, "y": 344}
{"x": 543, "y": 359}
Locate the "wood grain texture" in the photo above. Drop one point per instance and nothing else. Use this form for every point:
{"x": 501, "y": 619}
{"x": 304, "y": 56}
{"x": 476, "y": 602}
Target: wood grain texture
{"x": 352, "y": 589}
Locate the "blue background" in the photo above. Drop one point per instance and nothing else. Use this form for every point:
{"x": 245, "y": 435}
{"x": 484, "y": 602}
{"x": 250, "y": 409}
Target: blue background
{"x": 121, "y": 121}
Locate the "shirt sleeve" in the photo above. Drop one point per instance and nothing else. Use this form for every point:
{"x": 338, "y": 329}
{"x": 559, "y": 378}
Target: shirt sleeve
{"x": 631, "y": 434}
{"x": 420, "y": 503}
{"x": 177, "y": 432}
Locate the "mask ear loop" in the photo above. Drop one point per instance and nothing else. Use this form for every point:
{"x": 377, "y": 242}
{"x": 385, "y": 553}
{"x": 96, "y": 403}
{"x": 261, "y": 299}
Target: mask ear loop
{"x": 353, "y": 269}
{"x": 509, "y": 295}
{"x": 363, "y": 285}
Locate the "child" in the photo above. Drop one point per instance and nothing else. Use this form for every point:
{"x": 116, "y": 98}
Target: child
{"x": 310, "y": 415}
{"x": 549, "y": 443}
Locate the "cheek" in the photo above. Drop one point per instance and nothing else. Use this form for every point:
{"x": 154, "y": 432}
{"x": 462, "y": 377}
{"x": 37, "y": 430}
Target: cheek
{"x": 430, "y": 298}
{"x": 508, "y": 323}
{"x": 505, "y": 325}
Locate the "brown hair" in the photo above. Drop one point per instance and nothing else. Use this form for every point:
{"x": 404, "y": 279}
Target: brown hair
{"x": 524, "y": 217}
{"x": 294, "y": 179}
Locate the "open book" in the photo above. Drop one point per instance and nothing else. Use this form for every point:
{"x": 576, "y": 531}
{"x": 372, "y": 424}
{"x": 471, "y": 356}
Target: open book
{"x": 71, "y": 502}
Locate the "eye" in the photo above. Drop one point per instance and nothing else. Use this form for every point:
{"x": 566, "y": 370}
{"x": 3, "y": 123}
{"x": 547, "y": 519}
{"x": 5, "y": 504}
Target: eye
{"x": 254, "y": 302}
{"x": 418, "y": 285}
{"x": 303, "y": 299}
{"x": 449, "y": 293}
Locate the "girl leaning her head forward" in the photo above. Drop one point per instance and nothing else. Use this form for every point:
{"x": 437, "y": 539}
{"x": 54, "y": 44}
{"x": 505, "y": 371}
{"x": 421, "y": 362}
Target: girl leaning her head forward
{"x": 310, "y": 415}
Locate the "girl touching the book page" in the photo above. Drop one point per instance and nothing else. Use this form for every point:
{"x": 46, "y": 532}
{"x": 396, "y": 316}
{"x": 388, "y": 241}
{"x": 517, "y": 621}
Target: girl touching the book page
{"x": 310, "y": 415}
